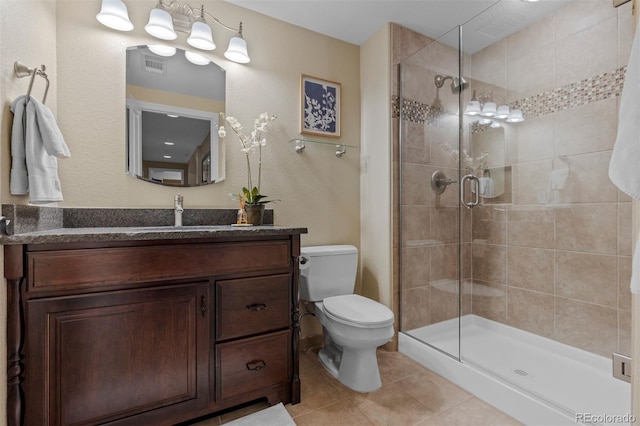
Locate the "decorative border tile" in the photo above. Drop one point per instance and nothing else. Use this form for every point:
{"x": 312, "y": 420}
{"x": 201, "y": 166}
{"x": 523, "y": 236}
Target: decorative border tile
{"x": 598, "y": 88}
{"x": 601, "y": 87}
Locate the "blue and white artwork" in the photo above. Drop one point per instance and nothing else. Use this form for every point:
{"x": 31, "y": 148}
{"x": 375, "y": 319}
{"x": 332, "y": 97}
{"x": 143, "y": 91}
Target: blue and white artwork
{"x": 320, "y": 107}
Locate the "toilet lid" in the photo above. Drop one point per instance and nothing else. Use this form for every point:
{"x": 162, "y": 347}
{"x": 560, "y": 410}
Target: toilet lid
{"x": 358, "y": 310}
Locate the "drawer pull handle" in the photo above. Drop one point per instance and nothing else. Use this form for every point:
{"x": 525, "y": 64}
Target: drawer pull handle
{"x": 257, "y": 307}
{"x": 256, "y": 365}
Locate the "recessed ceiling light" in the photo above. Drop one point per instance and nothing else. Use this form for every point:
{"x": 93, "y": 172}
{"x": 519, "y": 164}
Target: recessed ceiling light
{"x": 166, "y": 156}
{"x": 173, "y": 115}
{"x": 169, "y": 143}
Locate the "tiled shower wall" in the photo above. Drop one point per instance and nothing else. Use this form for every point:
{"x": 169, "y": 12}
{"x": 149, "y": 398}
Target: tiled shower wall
{"x": 554, "y": 261}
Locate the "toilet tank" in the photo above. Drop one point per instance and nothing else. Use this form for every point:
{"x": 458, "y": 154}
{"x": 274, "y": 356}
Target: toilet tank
{"x": 327, "y": 271}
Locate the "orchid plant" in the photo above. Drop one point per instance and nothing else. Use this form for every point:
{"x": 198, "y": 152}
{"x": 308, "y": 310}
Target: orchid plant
{"x": 250, "y": 143}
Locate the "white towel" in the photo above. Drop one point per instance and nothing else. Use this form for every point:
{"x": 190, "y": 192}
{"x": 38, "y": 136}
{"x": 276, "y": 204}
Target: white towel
{"x": 486, "y": 187}
{"x": 18, "y": 183}
{"x": 623, "y": 168}
{"x": 43, "y": 142}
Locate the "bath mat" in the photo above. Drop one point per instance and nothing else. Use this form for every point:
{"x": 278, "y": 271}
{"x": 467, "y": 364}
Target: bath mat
{"x": 275, "y": 415}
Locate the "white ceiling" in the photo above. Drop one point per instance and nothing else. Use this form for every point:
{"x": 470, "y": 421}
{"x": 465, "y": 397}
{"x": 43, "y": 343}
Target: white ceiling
{"x": 354, "y": 21}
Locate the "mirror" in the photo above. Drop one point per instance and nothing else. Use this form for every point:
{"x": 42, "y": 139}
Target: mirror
{"x": 488, "y": 162}
{"x": 173, "y": 109}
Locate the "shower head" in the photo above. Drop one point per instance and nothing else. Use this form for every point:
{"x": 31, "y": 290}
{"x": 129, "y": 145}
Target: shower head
{"x": 458, "y": 84}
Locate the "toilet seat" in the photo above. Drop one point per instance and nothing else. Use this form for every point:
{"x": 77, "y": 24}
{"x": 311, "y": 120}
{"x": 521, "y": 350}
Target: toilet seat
{"x": 359, "y": 311}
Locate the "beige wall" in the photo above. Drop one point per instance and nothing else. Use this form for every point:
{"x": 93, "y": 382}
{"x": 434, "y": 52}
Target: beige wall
{"x": 316, "y": 189}
{"x": 375, "y": 177}
{"x": 162, "y": 97}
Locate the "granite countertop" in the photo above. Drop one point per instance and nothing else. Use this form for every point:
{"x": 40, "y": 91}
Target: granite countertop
{"x": 70, "y": 235}
{"x": 50, "y": 225}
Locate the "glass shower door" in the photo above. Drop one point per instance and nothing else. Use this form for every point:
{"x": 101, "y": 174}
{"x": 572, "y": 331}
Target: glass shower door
{"x": 434, "y": 228}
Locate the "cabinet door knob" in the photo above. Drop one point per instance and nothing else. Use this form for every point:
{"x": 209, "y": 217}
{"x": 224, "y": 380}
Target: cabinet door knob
{"x": 256, "y": 365}
{"x": 256, "y": 307}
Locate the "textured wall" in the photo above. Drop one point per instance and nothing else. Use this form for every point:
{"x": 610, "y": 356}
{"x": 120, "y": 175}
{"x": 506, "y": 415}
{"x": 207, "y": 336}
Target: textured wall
{"x": 316, "y": 189}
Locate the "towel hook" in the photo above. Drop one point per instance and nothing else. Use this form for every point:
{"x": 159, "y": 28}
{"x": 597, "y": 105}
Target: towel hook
{"x": 22, "y": 70}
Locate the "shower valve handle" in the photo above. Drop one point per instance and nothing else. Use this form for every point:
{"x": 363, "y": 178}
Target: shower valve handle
{"x": 439, "y": 182}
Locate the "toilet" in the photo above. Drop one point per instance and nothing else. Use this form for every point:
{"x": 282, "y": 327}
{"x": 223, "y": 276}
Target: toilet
{"x": 353, "y": 326}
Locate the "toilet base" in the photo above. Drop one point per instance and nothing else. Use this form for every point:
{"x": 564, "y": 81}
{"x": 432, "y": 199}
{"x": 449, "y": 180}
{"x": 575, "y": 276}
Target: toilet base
{"x": 357, "y": 369}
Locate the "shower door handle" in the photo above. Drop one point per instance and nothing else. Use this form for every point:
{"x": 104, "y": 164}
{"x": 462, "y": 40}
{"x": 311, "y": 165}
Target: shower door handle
{"x": 476, "y": 198}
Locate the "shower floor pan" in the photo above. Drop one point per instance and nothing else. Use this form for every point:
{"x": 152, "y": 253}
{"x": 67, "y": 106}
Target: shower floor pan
{"x": 534, "y": 379}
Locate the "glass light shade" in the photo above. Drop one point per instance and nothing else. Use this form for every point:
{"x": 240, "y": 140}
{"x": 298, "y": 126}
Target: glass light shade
{"x": 495, "y": 125}
{"x": 113, "y": 14}
{"x": 473, "y": 108}
{"x": 503, "y": 112}
{"x": 516, "y": 116}
{"x": 485, "y": 121}
{"x": 162, "y": 49}
{"x": 201, "y": 37}
{"x": 160, "y": 25}
{"x": 195, "y": 58}
{"x": 489, "y": 109}
{"x": 237, "y": 51}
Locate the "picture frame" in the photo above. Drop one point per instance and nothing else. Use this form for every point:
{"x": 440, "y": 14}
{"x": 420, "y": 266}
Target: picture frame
{"x": 320, "y": 102}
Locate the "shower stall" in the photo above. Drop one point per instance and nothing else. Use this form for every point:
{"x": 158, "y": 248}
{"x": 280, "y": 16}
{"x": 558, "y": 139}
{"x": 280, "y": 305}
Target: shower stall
{"x": 514, "y": 247}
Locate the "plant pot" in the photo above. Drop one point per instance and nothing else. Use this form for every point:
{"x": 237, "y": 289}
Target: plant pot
{"x": 255, "y": 213}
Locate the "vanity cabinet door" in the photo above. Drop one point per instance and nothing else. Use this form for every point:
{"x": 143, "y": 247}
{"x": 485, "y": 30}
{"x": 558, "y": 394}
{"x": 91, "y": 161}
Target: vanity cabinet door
{"x": 102, "y": 357}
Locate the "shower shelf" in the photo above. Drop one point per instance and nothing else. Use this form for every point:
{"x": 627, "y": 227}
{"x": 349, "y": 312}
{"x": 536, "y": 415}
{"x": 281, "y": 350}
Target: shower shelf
{"x": 341, "y": 148}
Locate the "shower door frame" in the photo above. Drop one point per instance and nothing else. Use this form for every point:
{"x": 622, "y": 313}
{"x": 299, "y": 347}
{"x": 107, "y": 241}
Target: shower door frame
{"x": 459, "y": 197}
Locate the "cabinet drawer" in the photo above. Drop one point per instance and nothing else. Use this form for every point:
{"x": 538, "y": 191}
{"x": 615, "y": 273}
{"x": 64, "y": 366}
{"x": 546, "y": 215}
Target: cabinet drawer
{"x": 252, "y": 305}
{"x": 90, "y": 268}
{"x": 249, "y": 364}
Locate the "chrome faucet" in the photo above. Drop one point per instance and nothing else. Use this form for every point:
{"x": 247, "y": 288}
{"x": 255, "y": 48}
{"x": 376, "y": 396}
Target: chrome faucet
{"x": 178, "y": 209}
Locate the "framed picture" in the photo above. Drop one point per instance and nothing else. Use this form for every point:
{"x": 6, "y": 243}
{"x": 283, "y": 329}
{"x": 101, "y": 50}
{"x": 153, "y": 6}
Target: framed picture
{"x": 319, "y": 107}
{"x": 206, "y": 168}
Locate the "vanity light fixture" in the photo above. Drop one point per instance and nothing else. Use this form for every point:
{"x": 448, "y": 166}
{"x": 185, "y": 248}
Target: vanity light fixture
{"x": 162, "y": 49}
{"x": 484, "y": 106}
{"x": 196, "y": 58}
{"x": 515, "y": 116}
{"x": 113, "y": 14}
{"x": 169, "y": 16}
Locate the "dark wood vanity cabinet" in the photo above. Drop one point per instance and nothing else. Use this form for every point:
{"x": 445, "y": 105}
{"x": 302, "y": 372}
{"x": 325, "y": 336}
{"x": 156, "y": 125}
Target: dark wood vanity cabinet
{"x": 150, "y": 332}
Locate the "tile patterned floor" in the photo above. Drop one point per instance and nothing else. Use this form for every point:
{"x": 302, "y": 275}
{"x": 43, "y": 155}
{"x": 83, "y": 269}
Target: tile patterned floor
{"x": 410, "y": 395}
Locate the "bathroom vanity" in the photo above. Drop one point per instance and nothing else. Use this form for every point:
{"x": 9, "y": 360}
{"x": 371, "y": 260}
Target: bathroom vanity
{"x": 134, "y": 326}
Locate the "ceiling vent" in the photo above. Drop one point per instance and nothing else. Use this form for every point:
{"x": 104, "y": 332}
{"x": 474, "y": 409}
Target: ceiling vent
{"x": 155, "y": 64}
